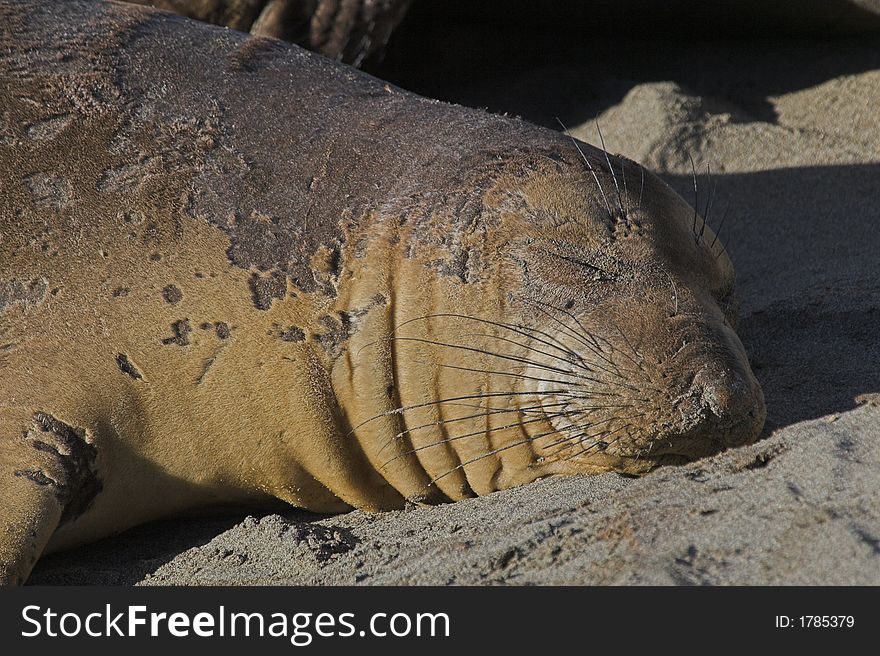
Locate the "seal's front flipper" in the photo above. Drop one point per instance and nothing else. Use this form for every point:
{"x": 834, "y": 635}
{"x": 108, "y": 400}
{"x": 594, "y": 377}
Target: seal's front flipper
{"x": 28, "y": 517}
{"x": 47, "y": 474}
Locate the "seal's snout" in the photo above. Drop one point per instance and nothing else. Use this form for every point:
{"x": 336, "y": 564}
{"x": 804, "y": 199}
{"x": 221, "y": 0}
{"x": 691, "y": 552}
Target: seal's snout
{"x": 724, "y": 407}
{"x": 688, "y": 394}
{"x": 724, "y": 393}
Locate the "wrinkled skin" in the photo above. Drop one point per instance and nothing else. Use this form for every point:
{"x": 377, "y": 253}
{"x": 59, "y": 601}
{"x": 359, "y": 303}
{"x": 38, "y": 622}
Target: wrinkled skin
{"x": 233, "y": 271}
{"x": 346, "y": 30}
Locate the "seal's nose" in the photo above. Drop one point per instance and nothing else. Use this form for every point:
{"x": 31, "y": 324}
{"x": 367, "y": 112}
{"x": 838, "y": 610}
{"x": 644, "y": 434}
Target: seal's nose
{"x": 723, "y": 391}
{"x": 724, "y": 403}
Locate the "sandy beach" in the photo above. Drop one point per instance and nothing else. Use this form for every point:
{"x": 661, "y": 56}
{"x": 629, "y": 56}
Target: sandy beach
{"x": 790, "y": 129}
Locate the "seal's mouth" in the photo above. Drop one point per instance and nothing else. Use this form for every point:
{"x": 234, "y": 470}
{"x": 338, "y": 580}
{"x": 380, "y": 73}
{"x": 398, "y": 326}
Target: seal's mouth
{"x": 665, "y": 450}
{"x": 666, "y": 434}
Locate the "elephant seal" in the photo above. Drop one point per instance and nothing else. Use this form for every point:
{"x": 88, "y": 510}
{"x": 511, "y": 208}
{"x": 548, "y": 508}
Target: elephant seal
{"x": 351, "y": 31}
{"x": 233, "y": 271}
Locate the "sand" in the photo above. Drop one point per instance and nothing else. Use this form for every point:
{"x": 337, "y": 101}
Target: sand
{"x": 792, "y": 134}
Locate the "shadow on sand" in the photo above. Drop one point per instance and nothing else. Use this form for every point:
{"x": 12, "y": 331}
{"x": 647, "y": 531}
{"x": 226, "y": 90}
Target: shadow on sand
{"x": 583, "y": 58}
{"x": 806, "y": 248}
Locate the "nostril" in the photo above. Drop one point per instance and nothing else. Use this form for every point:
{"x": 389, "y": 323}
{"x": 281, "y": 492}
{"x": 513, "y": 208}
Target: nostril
{"x": 719, "y": 405}
{"x": 721, "y": 396}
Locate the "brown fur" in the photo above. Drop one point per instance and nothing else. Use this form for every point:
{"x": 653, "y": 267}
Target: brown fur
{"x": 232, "y": 271}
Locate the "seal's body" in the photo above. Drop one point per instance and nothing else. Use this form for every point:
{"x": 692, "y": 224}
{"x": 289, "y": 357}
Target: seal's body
{"x": 232, "y": 271}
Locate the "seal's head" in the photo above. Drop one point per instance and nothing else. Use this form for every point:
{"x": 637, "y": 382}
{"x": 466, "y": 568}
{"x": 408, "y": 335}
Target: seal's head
{"x": 580, "y": 320}
{"x": 640, "y": 364}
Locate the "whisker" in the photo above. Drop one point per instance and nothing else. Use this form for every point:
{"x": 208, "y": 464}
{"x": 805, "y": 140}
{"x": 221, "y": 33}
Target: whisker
{"x": 579, "y": 262}
{"x": 591, "y": 426}
{"x": 611, "y": 346}
{"x": 581, "y": 364}
{"x": 641, "y": 187}
{"x": 631, "y": 348}
{"x": 402, "y": 409}
{"x": 602, "y": 434}
{"x": 471, "y": 349}
{"x": 516, "y": 329}
{"x": 696, "y": 196}
{"x": 610, "y": 168}
{"x": 595, "y": 445}
{"x": 568, "y": 330}
{"x": 571, "y": 399}
{"x": 493, "y": 452}
{"x": 529, "y": 348}
{"x": 477, "y": 433}
{"x": 720, "y": 225}
{"x": 518, "y": 375}
{"x": 589, "y": 166}
{"x": 709, "y": 201}
{"x": 595, "y": 348}
{"x": 573, "y": 441}
{"x": 490, "y": 411}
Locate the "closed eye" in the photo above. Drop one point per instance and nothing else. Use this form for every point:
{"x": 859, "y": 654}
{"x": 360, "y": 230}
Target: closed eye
{"x": 599, "y": 274}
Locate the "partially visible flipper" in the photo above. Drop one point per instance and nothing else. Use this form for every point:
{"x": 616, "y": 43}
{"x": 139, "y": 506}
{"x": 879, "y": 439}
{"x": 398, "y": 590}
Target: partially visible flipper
{"x": 346, "y": 30}
{"x": 47, "y": 476}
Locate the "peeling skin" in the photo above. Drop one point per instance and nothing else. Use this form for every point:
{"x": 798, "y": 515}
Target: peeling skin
{"x": 409, "y": 248}
{"x": 335, "y": 330}
{"x": 180, "y": 333}
{"x": 221, "y": 329}
{"x": 49, "y": 189}
{"x": 23, "y": 293}
{"x": 172, "y": 294}
{"x": 38, "y": 476}
{"x": 264, "y": 290}
{"x": 48, "y": 128}
{"x": 127, "y": 367}
{"x": 292, "y": 334}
